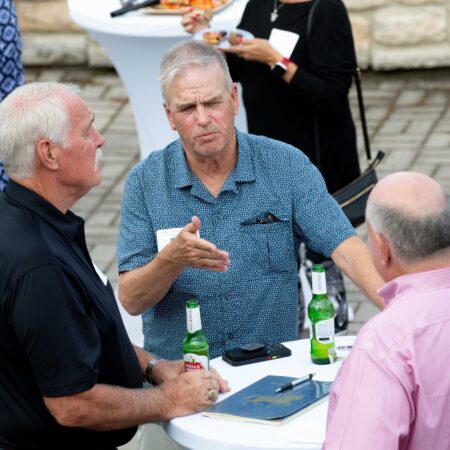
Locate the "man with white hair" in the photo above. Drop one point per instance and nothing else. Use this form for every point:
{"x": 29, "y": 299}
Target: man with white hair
{"x": 393, "y": 391}
{"x": 69, "y": 375}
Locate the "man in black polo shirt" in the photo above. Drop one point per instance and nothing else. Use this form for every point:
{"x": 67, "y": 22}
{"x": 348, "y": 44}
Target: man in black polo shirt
{"x": 69, "y": 376}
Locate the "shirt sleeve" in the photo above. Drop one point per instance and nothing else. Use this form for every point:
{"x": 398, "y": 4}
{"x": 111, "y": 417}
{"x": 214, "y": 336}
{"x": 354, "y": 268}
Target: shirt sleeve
{"x": 318, "y": 217}
{"x": 326, "y": 82}
{"x": 136, "y": 245}
{"x": 370, "y": 407}
{"x": 51, "y": 319}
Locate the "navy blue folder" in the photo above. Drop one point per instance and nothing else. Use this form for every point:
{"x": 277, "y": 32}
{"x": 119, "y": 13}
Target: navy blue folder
{"x": 260, "y": 403}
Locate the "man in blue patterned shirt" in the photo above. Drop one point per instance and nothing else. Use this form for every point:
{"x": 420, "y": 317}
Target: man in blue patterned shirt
{"x": 243, "y": 204}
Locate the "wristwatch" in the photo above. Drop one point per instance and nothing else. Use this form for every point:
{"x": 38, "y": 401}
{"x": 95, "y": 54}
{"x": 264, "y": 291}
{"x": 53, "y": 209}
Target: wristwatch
{"x": 281, "y": 67}
{"x": 149, "y": 369}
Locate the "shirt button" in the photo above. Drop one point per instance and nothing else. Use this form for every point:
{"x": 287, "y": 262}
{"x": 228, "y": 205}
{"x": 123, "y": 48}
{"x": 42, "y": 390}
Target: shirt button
{"x": 220, "y": 216}
{"x": 228, "y": 296}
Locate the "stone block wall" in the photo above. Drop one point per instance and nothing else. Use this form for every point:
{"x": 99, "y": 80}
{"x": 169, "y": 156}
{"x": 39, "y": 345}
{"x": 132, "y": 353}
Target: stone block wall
{"x": 389, "y": 34}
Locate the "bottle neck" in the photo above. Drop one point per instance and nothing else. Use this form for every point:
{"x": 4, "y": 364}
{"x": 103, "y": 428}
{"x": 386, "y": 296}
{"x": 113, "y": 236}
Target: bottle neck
{"x": 193, "y": 320}
{"x": 319, "y": 283}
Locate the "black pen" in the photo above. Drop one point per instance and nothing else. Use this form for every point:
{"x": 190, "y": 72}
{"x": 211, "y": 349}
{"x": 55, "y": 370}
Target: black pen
{"x": 133, "y": 6}
{"x": 293, "y": 383}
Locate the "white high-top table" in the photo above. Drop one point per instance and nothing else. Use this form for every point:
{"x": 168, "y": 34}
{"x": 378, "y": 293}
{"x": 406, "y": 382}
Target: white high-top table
{"x": 135, "y": 43}
{"x": 305, "y": 432}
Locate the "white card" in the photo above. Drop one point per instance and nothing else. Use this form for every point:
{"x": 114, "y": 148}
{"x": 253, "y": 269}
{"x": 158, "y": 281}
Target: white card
{"x": 164, "y": 237}
{"x": 102, "y": 276}
{"x": 283, "y": 41}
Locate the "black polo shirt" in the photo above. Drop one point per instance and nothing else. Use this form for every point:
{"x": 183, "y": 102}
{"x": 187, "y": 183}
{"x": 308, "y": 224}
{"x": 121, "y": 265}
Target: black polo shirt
{"x": 60, "y": 328}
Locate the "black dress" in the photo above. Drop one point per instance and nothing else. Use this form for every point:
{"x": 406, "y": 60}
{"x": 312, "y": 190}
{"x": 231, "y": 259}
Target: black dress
{"x": 285, "y": 111}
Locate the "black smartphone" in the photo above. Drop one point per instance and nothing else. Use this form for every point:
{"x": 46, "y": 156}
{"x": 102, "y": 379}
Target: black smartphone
{"x": 252, "y": 353}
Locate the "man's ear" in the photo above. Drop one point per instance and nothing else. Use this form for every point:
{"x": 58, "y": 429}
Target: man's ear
{"x": 384, "y": 249}
{"x": 47, "y": 154}
{"x": 169, "y": 116}
{"x": 235, "y": 98}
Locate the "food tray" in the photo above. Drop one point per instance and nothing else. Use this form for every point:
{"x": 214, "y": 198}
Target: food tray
{"x": 159, "y": 10}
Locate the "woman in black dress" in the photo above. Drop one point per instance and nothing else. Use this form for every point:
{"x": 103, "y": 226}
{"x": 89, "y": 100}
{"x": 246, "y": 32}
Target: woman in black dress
{"x": 316, "y": 83}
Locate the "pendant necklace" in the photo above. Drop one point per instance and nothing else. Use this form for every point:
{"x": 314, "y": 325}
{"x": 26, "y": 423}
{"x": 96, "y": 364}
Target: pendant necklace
{"x": 274, "y": 14}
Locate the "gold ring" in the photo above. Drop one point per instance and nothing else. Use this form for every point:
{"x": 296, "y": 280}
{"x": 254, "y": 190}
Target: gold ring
{"x": 212, "y": 395}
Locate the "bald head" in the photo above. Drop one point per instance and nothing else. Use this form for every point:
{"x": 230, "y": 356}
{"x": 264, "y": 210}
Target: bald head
{"x": 412, "y": 212}
{"x": 412, "y": 193}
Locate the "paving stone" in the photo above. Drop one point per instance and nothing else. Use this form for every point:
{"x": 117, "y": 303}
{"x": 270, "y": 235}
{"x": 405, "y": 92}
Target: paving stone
{"x": 439, "y": 140}
{"x": 103, "y": 255}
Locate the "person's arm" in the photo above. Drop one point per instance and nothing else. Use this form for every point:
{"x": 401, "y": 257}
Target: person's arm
{"x": 353, "y": 258}
{"x": 321, "y": 223}
{"x": 370, "y": 404}
{"x": 168, "y": 370}
{"x": 142, "y": 288}
{"x": 105, "y": 407}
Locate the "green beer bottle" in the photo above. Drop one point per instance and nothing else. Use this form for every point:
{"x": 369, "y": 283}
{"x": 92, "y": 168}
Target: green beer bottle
{"x": 195, "y": 346}
{"x": 321, "y": 316}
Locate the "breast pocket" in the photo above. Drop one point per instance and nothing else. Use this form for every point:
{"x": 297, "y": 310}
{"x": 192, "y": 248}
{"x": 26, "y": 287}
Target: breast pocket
{"x": 272, "y": 233}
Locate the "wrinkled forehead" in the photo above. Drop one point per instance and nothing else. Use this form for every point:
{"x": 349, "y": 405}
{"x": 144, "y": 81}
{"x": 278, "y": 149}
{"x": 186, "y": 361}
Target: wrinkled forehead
{"x": 77, "y": 108}
{"x": 196, "y": 80}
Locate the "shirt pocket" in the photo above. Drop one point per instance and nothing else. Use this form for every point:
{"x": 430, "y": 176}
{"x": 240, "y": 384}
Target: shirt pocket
{"x": 271, "y": 233}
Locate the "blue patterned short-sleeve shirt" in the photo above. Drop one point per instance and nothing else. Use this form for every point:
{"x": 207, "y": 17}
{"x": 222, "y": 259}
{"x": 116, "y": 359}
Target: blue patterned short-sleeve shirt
{"x": 256, "y": 299}
{"x": 11, "y": 70}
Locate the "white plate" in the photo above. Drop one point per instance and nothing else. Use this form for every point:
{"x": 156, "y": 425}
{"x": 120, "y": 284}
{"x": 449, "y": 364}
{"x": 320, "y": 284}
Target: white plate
{"x": 224, "y": 43}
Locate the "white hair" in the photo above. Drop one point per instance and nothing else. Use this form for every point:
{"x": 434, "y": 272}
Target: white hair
{"x": 186, "y": 54}
{"x": 413, "y": 237}
{"x": 32, "y": 112}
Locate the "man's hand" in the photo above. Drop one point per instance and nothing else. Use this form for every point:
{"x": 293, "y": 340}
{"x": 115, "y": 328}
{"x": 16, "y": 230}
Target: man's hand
{"x": 258, "y": 50}
{"x": 169, "y": 370}
{"x": 191, "y": 392}
{"x": 188, "y": 250}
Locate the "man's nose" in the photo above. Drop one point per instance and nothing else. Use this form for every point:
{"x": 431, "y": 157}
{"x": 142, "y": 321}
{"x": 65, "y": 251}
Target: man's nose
{"x": 99, "y": 139}
{"x": 202, "y": 115}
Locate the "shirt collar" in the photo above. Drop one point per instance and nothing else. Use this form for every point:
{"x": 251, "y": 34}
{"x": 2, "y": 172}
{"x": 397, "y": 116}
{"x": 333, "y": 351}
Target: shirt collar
{"x": 242, "y": 173}
{"x": 67, "y": 224}
{"x": 415, "y": 283}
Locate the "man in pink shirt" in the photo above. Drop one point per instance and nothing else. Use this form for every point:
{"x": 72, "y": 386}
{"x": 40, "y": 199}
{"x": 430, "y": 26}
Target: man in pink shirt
{"x": 393, "y": 391}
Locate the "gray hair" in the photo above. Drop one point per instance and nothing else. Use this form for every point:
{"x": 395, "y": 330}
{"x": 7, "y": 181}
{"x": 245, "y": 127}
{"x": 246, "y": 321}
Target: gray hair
{"x": 32, "y": 112}
{"x": 190, "y": 53}
{"x": 412, "y": 237}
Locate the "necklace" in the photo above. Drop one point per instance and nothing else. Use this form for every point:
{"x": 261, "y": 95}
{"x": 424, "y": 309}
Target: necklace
{"x": 274, "y": 14}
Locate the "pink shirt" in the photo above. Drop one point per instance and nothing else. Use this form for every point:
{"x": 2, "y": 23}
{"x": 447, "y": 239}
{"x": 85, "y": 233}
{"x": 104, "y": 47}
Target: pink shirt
{"x": 393, "y": 390}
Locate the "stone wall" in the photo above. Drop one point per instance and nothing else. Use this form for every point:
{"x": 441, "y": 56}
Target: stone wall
{"x": 389, "y": 34}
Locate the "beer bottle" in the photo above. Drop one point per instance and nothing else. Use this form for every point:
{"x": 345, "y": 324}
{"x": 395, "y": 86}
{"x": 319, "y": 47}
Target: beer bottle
{"x": 195, "y": 346}
{"x": 321, "y": 316}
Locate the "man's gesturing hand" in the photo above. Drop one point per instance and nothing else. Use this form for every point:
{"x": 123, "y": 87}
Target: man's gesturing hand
{"x": 187, "y": 249}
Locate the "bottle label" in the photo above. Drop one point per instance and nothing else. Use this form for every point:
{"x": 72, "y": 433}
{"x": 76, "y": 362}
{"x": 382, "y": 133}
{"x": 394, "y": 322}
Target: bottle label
{"x": 194, "y": 323}
{"x": 325, "y": 331}
{"x": 193, "y": 361}
{"x": 319, "y": 283}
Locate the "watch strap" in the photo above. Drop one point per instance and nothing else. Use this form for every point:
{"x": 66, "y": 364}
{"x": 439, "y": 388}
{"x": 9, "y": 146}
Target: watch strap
{"x": 149, "y": 369}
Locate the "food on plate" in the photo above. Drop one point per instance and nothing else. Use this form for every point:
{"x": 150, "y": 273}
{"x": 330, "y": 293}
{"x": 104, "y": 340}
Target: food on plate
{"x": 173, "y": 4}
{"x": 234, "y": 38}
{"x": 214, "y": 37}
{"x": 200, "y": 4}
